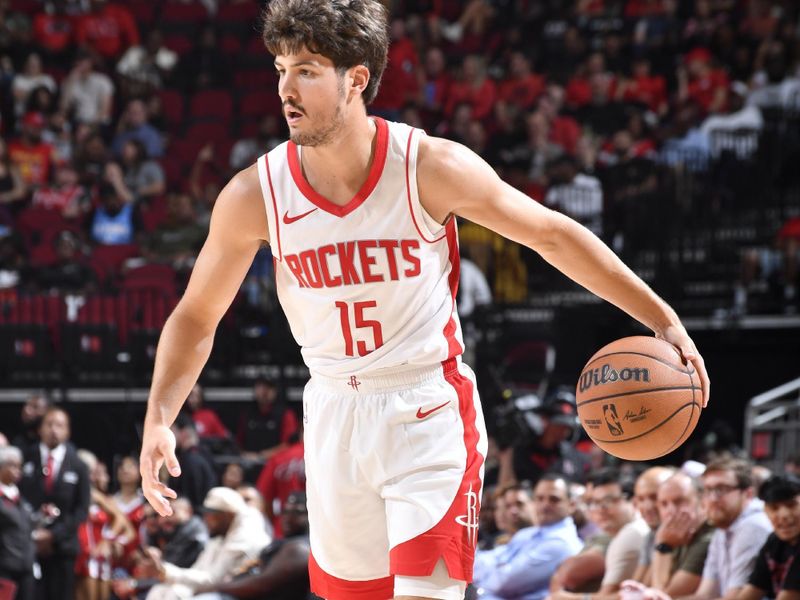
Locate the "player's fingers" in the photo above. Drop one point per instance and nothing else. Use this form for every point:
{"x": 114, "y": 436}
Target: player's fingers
{"x": 170, "y": 460}
{"x": 165, "y": 491}
{"x": 157, "y": 501}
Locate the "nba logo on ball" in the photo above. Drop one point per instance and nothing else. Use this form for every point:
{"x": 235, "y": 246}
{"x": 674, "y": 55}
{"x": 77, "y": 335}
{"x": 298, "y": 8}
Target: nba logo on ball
{"x": 648, "y": 400}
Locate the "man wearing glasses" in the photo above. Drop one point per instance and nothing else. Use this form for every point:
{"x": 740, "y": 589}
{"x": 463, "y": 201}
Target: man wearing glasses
{"x": 742, "y": 528}
{"x": 611, "y": 556}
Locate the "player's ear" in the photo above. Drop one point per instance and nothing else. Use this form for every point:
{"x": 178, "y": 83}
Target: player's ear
{"x": 359, "y": 78}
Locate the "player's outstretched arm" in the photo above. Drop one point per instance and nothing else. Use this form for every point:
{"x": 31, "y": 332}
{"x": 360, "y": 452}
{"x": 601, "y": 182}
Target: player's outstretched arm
{"x": 238, "y": 228}
{"x": 454, "y": 180}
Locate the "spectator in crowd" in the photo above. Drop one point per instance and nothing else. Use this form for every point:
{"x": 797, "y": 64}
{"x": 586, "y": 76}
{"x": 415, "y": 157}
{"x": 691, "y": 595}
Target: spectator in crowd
{"x": 100, "y": 536}
{"x": 136, "y": 178}
{"x": 145, "y": 68}
{"x": 779, "y": 262}
{"x": 723, "y": 129}
{"x": 283, "y": 473}
{"x": 475, "y": 88}
{"x": 206, "y": 420}
{"x": 245, "y": 151}
{"x": 32, "y": 155}
{"x": 578, "y": 494}
{"x": 435, "y": 86}
{"x": 701, "y": 84}
{"x": 546, "y": 447}
{"x": 178, "y": 238}
{"x": 30, "y": 416}
{"x": 281, "y": 572}
{"x": 645, "y": 498}
{"x": 12, "y": 186}
{"x": 24, "y": 83}
{"x": 114, "y": 221}
{"x": 56, "y": 483}
{"x": 267, "y": 425}
{"x": 91, "y": 157}
{"x": 487, "y": 523}
{"x": 523, "y": 567}
{"x": 254, "y": 499}
{"x": 777, "y": 568}
{"x": 473, "y": 289}
{"x": 232, "y": 475}
{"x": 197, "y": 467}
{"x": 576, "y": 194}
{"x": 792, "y": 465}
{"x": 521, "y": 87}
{"x": 237, "y": 536}
{"x": 53, "y": 31}
{"x": 17, "y": 550}
{"x": 130, "y": 501}
{"x": 181, "y": 536}
{"x": 107, "y": 29}
{"x": 70, "y": 273}
{"x": 134, "y": 125}
{"x": 612, "y": 556}
{"x": 682, "y": 539}
{"x": 87, "y": 95}
{"x": 65, "y": 195}
{"x": 741, "y": 530}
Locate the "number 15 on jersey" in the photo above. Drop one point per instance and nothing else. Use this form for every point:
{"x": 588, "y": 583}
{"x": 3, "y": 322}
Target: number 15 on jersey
{"x": 356, "y": 312}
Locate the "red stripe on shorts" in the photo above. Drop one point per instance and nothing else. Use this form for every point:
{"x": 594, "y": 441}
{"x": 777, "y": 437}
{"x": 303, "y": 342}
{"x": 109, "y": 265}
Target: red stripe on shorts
{"x": 329, "y": 587}
{"x": 455, "y": 537}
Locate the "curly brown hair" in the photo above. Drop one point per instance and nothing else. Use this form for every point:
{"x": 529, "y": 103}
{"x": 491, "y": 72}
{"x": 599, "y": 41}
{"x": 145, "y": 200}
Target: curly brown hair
{"x": 348, "y": 32}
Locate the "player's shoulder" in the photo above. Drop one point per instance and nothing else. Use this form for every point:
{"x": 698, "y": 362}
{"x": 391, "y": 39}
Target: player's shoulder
{"x": 241, "y": 202}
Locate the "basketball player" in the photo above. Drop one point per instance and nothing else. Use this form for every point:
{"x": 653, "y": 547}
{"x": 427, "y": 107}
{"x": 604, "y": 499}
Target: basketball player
{"x": 360, "y": 215}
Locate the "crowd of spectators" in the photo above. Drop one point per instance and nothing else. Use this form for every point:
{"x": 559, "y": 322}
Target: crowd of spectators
{"x": 122, "y": 120}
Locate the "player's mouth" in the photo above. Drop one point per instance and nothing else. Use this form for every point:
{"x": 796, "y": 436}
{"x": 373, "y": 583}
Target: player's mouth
{"x": 293, "y": 116}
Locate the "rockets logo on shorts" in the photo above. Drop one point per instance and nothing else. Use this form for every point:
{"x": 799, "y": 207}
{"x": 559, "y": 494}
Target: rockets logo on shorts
{"x": 470, "y": 519}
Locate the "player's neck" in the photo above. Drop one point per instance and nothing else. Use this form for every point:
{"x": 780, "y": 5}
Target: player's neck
{"x": 341, "y": 167}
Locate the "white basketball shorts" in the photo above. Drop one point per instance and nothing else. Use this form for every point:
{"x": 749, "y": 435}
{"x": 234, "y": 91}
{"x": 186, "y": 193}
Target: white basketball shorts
{"x": 395, "y": 469}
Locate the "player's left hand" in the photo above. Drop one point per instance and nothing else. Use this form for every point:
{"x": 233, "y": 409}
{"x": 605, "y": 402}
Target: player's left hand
{"x": 677, "y": 336}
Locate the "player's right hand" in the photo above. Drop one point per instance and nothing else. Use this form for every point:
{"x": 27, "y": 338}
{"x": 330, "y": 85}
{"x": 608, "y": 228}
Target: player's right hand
{"x": 158, "y": 448}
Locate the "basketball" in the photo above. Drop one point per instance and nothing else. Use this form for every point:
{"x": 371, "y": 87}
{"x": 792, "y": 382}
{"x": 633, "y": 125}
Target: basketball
{"x": 637, "y": 400}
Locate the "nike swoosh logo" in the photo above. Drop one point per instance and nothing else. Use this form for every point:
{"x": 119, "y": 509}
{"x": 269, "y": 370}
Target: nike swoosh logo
{"x": 422, "y": 414}
{"x": 289, "y": 220}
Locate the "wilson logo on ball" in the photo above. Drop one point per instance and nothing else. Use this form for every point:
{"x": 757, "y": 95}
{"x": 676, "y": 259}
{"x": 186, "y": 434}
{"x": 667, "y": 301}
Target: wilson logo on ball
{"x": 607, "y": 374}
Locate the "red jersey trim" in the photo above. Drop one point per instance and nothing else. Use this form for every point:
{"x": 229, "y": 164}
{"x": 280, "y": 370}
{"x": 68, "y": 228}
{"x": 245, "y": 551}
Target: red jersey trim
{"x": 274, "y": 207}
{"x": 454, "y": 537}
{"x": 375, "y": 171}
{"x": 408, "y": 195}
{"x": 453, "y": 346}
{"x": 329, "y": 587}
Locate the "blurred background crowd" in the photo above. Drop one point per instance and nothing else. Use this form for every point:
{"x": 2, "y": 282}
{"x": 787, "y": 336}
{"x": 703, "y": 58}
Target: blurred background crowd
{"x": 671, "y": 128}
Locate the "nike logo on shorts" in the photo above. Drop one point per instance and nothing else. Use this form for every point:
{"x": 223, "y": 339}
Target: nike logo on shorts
{"x": 289, "y": 220}
{"x": 422, "y": 414}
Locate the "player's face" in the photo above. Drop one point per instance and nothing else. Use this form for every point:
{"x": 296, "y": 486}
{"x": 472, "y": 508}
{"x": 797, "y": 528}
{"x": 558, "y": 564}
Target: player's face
{"x": 785, "y": 518}
{"x": 312, "y": 93}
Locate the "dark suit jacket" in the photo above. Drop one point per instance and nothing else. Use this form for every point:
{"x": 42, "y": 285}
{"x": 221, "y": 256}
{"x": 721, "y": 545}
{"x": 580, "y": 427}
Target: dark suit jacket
{"x": 71, "y": 494}
{"x": 17, "y": 551}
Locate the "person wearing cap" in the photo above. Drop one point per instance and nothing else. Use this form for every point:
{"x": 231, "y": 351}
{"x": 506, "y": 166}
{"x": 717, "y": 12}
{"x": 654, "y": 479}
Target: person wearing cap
{"x": 238, "y": 534}
{"x": 281, "y": 572}
{"x": 33, "y": 156}
{"x": 548, "y": 449}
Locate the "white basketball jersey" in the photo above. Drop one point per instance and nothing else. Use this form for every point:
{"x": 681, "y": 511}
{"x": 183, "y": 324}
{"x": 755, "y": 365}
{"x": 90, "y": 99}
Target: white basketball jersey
{"x": 370, "y": 285}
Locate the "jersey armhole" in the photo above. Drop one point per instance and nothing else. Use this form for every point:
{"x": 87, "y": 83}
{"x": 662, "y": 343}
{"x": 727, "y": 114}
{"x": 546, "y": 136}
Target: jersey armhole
{"x": 270, "y": 206}
{"x": 429, "y": 229}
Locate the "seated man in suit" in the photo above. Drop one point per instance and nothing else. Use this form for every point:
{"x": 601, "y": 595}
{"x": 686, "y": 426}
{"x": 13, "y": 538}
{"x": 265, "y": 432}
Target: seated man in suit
{"x": 56, "y": 483}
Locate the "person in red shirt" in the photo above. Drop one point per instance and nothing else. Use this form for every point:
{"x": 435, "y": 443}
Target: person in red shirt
{"x": 698, "y": 82}
{"x": 108, "y": 29}
{"x": 435, "y": 84}
{"x": 53, "y": 31}
{"x": 283, "y": 474}
{"x": 206, "y": 420}
{"x": 399, "y": 84}
{"x": 33, "y": 157}
{"x": 644, "y": 88}
{"x": 474, "y": 88}
{"x": 522, "y": 87}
